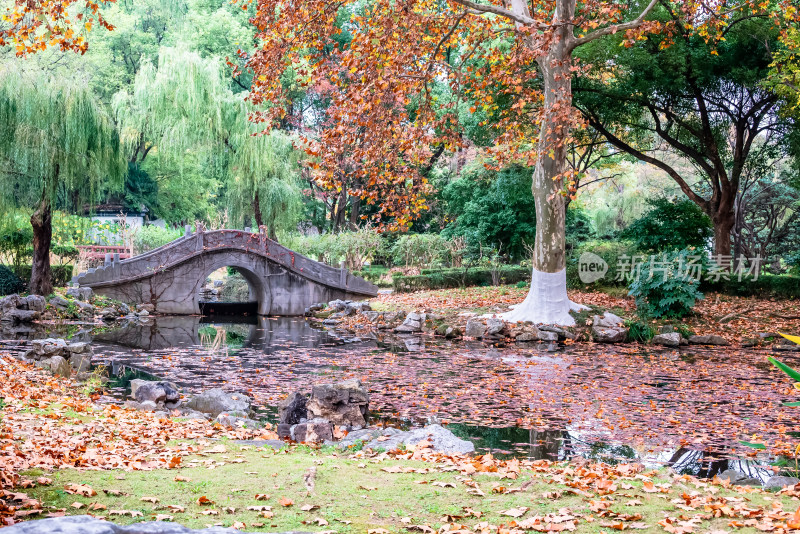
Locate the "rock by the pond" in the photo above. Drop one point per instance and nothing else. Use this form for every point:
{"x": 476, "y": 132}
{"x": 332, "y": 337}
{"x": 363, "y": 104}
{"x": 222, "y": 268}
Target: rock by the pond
{"x": 475, "y": 328}
{"x": 293, "y": 409}
{"x": 545, "y": 335}
{"x": 80, "y": 293}
{"x": 342, "y": 403}
{"x": 609, "y": 335}
{"x": 235, "y": 421}
{"x": 84, "y": 524}
{"x": 671, "y": 339}
{"x": 81, "y": 362}
{"x": 315, "y": 431}
{"x": 527, "y": 337}
{"x": 666, "y": 329}
{"x": 20, "y": 316}
{"x": 370, "y": 315}
{"x": 607, "y": 320}
{"x": 494, "y": 326}
{"x": 162, "y": 393}
{"x": 145, "y": 307}
{"x": 215, "y": 401}
{"x": 440, "y": 439}
{"x": 35, "y": 303}
{"x": 780, "y": 482}
{"x": 737, "y": 478}
{"x": 60, "y": 367}
{"x": 84, "y": 308}
{"x": 708, "y": 340}
{"x": 412, "y": 323}
{"x": 59, "y": 303}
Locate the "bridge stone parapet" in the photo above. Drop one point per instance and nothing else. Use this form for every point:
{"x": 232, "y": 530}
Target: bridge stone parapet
{"x": 282, "y": 281}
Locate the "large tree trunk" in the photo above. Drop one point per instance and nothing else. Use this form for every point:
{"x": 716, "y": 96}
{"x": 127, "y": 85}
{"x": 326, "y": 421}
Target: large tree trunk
{"x": 723, "y": 224}
{"x": 547, "y": 300}
{"x": 41, "y": 276}
{"x": 257, "y": 211}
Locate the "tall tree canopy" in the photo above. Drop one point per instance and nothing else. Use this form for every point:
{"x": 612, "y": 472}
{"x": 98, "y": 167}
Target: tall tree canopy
{"x": 408, "y": 70}
{"x": 702, "y": 100}
{"x": 57, "y": 143}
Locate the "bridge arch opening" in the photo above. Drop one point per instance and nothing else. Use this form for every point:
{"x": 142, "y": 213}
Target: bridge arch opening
{"x": 230, "y": 290}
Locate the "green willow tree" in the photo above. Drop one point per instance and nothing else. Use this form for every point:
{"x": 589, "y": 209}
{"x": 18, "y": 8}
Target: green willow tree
{"x": 56, "y": 140}
{"x": 183, "y": 123}
{"x": 265, "y": 181}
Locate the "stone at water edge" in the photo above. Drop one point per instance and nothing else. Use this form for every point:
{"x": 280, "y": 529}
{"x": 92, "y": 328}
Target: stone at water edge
{"x": 475, "y": 328}
{"x": 84, "y": 524}
{"x": 545, "y": 335}
{"x": 342, "y": 403}
{"x": 60, "y": 367}
{"x": 708, "y": 340}
{"x": 441, "y": 439}
{"x": 293, "y": 409}
{"x": 739, "y": 479}
{"x": 607, "y": 320}
{"x": 315, "y": 431}
{"x": 161, "y": 393}
{"x": 672, "y": 339}
{"x": 215, "y": 401}
{"x": 780, "y": 482}
{"x": 35, "y": 303}
{"x": 80, "y": 293}
{"x": 494, "y": 326}
{"x": 81, "y": 362}
{"x": 20, "y": 316}
{"x": 609, "y": 335}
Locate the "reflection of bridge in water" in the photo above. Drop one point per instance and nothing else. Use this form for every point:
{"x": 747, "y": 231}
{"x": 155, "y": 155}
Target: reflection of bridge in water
{"x": 266, "y": 334}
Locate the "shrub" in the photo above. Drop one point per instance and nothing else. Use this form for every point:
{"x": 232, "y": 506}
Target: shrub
{"x": 664, "y": 288}
{"x": 10, "y": 282}
{"x": 419, "y": 250}
{"x": 62, "y": 274}
{"x": 449, "y": 278}
{"x": 670, "y": 225}
{"x": 612, "y": 252}
{"x": 151, "y": 237}
{"x": 354, "y": 248}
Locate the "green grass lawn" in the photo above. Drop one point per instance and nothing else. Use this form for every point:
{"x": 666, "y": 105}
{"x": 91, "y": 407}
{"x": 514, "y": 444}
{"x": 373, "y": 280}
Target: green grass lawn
{"x": 355, "y": 494}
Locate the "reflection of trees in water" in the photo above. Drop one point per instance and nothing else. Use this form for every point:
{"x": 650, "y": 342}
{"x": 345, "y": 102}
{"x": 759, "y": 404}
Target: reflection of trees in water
{"x": 222, "y": 338}
{"x": 710, "y": 463}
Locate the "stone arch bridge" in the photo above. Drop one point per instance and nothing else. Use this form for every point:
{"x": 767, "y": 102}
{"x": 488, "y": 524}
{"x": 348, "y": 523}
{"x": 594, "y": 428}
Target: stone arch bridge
{"x": 281, "y": 281}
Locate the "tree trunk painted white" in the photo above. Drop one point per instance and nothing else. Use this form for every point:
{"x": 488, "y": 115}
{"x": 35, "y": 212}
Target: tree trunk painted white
{"x": 547, "y": 300}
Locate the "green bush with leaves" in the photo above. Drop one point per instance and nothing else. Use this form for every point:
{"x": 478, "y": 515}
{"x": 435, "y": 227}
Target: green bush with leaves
{"x": 612, "y": 252}
{"x": 420, "y": 250}
{"x": 666, "y": 286}
{"x": 10, "y": 282}
{"x": 670, "y": 225}
{"x": 151, "y": 237}
{"x": 355, "y": 249}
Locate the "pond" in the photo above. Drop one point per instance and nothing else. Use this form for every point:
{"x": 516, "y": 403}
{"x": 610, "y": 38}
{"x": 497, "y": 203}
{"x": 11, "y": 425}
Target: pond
{"x": 693, "y": 408}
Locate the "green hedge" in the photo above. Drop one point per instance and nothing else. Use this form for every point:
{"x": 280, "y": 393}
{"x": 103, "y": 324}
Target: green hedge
{"x": 449, "y": 278}
{"x": 767, "y": 285}
{"x": 62, "y": 274}
{"x": 10, "y": 282}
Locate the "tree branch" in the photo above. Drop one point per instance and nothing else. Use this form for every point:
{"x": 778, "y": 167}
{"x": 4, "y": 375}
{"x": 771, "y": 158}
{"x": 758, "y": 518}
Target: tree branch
{"x": 480, "y": 9}
{"x": 614, "y": 28}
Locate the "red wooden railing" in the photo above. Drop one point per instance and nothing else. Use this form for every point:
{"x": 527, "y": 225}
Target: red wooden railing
{"x": 98, "y": 252}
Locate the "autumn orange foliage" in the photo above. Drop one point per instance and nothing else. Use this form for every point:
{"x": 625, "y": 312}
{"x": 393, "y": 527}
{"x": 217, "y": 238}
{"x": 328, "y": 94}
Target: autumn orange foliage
{"x": 34, "y": 25}
{"x": 388, "y": 116}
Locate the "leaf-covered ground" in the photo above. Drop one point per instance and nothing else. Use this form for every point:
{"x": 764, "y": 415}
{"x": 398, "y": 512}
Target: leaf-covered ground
{"x": 741, "y": 317}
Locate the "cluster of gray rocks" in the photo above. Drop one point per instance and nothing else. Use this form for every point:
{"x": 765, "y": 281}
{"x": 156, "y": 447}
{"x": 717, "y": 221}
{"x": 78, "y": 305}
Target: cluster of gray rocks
{"x": 773, "y": 483}
{"x": 606, "y": 328}
{"x": 313, "y": 418}
{"x": 230, "y": 409}
{"x": 15, "y": 309}
{"x": 60, "y": 357}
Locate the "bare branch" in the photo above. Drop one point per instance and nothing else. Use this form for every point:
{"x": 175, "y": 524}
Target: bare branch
{"x": 614, "y": 28}
{"x": 480, "y": 9}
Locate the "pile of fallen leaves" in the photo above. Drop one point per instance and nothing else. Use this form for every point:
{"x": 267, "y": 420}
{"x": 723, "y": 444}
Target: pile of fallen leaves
{"x": 46, "y": 422}
{"x": 605, "y": 489}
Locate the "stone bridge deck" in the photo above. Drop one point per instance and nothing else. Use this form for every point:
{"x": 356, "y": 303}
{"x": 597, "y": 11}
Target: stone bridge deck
{"x": 283, "y": 282}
